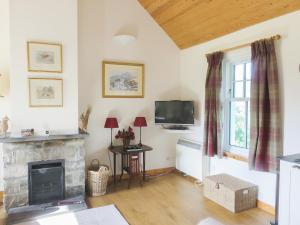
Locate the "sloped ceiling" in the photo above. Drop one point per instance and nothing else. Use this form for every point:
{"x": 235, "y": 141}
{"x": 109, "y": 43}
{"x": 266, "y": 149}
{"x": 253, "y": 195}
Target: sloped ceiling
{"x": 191, "y": 22}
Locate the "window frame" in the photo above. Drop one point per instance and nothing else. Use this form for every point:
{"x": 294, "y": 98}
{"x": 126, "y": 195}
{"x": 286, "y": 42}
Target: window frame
{"x": 230, "y": 60}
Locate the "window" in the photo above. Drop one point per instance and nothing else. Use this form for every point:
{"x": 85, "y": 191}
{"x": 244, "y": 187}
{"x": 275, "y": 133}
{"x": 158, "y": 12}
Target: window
{"x": 237, "y": 106}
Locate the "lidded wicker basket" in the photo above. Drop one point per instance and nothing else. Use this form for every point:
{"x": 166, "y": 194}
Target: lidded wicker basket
{"x": 97, "y": 178}
{"x": 230, "y": 192}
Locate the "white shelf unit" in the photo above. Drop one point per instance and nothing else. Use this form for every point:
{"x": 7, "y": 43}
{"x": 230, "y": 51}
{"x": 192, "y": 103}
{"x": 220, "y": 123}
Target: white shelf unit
{"x": 289, "y": 193}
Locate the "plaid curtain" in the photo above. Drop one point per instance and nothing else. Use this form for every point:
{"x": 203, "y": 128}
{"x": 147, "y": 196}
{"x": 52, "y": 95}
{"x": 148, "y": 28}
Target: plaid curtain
{"x": 212, "y": 121}
{"x": 265, "y": 133}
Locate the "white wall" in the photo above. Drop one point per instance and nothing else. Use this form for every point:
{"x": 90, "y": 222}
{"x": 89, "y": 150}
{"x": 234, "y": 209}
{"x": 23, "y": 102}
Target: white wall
{"x": 4, "y": 69}
{"x": 99, "y": 21}
{"x": 47, "y": 21}
{"x": 193, "y": 75}
{"x": 4, "y": 57}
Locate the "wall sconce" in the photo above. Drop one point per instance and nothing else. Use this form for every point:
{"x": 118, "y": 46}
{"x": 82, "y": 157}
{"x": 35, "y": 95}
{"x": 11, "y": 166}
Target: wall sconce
{"x": 124, "y": 39}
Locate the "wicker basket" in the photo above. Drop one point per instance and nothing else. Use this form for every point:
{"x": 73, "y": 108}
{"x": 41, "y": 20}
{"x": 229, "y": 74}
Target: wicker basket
{"x": 97, "y": 178}
{"x": 232, "y": 193}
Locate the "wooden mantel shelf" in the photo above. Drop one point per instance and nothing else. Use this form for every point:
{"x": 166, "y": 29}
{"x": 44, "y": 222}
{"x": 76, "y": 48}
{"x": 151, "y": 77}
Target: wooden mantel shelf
{"x": 42, "y": 138}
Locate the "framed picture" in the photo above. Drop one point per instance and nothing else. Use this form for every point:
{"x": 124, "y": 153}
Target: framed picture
{"x": 122, "y": 80}
{"x": 45, "y": 92}
{"x": 44, "y": 57}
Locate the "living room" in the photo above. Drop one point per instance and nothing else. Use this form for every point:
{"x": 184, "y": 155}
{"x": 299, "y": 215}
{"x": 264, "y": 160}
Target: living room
{"x": 167, "y": 46}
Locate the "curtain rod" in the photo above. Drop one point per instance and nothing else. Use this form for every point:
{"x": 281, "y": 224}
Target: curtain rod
{"x": 276, "y": 37}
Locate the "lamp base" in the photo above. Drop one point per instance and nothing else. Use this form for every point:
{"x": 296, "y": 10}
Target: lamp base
{"x": 140, "y": 144}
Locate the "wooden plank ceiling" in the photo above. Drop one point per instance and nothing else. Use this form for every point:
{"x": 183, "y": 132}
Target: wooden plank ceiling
{"x": 190, "y": 22}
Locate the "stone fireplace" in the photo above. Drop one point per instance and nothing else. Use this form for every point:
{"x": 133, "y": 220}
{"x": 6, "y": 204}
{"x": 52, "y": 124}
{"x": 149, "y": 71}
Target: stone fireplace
{"x": 42, "y": 169}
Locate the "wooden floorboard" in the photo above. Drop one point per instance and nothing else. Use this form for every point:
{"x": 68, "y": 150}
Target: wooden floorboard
{"x": 169, "y": 200}
{"x": 172, "y": 200}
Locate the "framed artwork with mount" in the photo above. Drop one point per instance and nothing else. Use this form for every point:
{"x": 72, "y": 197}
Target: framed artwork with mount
{"x": 45, "y": 92}
{"x": 122, "y": 80}
{"x": 44, "y": 57}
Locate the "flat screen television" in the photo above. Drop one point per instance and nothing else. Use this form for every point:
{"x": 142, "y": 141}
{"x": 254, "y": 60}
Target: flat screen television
{"x": 174, "y": 112}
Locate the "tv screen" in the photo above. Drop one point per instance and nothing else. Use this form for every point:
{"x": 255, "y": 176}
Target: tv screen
{"x": 174, "y": 112}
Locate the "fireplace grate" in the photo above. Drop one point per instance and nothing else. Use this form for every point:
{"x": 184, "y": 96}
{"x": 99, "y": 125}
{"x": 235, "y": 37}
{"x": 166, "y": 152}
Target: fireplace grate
{"x": 46, "y": 181}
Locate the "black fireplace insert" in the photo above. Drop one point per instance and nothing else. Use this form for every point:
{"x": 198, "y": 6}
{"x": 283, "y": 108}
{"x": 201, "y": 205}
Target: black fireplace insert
{"x": 46, "y": 181}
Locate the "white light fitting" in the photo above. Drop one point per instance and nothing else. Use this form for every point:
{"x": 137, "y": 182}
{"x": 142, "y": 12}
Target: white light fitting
{"x": 124, "y": 39}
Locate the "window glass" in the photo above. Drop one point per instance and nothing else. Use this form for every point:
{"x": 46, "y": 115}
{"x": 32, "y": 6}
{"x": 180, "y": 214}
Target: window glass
{"x": 248, "y": 86}
{"x": 237, "y": 124}
{"x": 238, "y": 89}
{"x": 238, "y": 106}
{"x": 248, "y": 126}
{"x": 239, "y": 72}
{"x": 248, "y": 71}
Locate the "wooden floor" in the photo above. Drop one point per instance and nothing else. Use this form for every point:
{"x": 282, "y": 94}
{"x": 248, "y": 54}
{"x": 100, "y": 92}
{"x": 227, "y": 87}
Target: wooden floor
{"x": 169, "y": 200}
{"x": 2, "y": 216}
{"x": 173, "y": 200}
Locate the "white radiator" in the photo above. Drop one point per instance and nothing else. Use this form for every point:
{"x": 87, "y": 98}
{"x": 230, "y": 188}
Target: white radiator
{"x": 190, "y": 160}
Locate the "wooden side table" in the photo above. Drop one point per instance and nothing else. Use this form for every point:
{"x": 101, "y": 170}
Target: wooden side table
{"x": 119, "y": 150}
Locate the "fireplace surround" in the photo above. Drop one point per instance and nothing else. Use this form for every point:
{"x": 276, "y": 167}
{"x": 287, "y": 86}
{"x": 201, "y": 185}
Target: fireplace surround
{"x": 21, "y": 154}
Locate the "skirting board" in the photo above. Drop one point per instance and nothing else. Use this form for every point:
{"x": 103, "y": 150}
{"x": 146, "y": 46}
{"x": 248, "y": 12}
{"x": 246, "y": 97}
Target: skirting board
{"x": 154, "y": 172}
{"x": 188, "y": 177}
{"x": 266, "y": 207}
{"x": 161, "y": 171}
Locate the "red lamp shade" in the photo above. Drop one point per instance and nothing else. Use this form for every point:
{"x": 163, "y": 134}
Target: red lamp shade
{"x": 111, "y": 123}
{"x": 140, "y": 122}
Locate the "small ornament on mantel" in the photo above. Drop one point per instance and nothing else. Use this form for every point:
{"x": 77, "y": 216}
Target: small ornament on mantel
{"x": 4, "y": 126}
{"x": 84, "y": 120}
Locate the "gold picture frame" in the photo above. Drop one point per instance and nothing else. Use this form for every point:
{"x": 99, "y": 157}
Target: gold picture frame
{"x": 45, "y": 92}
{"x": 123, "y": 80}
{"x": 44, "y": 57}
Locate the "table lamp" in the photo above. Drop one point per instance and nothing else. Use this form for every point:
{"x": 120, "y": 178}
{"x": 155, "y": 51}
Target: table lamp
{"x": 140, "y": 122}
{"x": 111, "y": 122}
